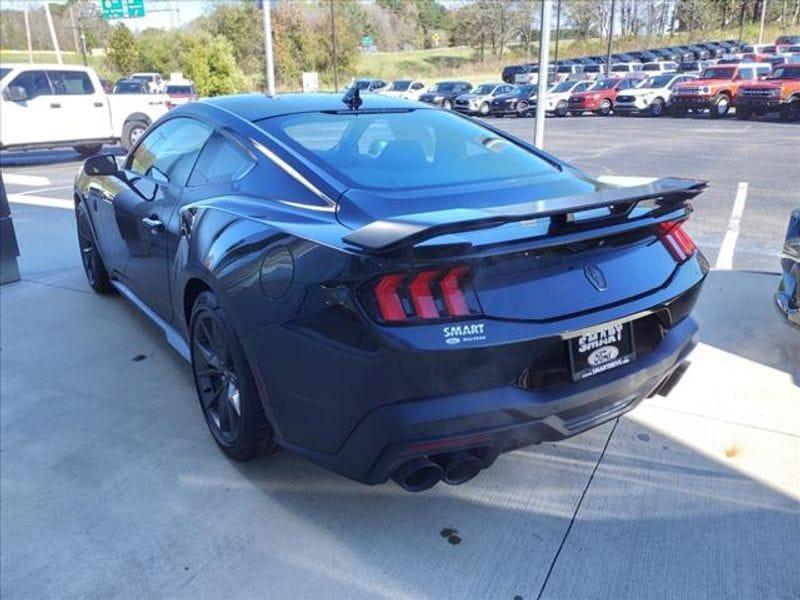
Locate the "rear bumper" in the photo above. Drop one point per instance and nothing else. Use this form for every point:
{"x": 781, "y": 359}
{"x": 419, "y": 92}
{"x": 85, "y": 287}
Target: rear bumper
{"x": 493, "y": 421}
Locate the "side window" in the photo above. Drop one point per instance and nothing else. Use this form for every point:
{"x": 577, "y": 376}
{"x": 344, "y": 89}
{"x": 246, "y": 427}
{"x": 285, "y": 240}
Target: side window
{"x": 69, "y": 83}
{"x": 35, "y": 83}
{"x": 221, "y": 160}
{"x": 583, "y": 86}
{"x": 169, "y": 152}
{"x": 763, "y": 70}
{"x": 417, "y": 86}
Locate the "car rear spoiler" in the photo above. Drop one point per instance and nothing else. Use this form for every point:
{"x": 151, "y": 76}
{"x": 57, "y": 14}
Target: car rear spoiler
{"x": 408, "y": 230}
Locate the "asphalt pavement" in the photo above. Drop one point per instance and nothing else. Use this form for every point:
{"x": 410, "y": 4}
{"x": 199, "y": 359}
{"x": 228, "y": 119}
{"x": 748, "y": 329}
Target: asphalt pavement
{"x": 111, "y": 486}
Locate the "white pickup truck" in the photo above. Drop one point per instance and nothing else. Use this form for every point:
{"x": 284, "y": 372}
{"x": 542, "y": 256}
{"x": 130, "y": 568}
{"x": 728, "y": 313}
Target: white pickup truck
{"x": 51, "y": 106}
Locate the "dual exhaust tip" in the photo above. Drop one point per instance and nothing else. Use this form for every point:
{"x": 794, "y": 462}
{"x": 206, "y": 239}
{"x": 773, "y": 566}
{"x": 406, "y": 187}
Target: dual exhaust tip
{"x": 422, "y": 473}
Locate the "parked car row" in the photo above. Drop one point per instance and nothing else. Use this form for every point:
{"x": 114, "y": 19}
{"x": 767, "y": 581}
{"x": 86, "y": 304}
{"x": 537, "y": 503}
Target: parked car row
{"x": 678, "y": 80}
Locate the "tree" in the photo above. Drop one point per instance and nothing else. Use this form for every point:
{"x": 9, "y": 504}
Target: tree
{"x": 209, "y": 62}
{"x": 122, "y": 52}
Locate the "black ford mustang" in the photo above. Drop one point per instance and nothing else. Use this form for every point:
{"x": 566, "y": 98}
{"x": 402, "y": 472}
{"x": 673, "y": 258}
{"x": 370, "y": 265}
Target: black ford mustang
{"x": 391, "y": 291}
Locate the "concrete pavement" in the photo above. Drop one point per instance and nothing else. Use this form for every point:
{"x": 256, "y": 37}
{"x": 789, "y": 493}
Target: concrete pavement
{"x": 113, "y": 488}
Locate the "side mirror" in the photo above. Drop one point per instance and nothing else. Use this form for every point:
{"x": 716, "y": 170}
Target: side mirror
{"x": 15, "y": 93}
{"x": 101, "y": 164}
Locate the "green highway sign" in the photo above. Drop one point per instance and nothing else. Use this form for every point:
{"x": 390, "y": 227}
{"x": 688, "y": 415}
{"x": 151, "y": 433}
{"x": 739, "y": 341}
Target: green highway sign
{"x": 122, "y": 9}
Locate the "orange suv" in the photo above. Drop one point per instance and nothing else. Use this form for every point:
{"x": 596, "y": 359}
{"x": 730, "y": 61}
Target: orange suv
{"x": 778, "y": 93}
{"x": 716, "y": 89}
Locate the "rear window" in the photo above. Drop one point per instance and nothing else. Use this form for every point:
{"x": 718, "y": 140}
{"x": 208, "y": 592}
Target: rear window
{"x": 128, "y": 87}
{"x": 416, "y": 148}
{"x": 179, "y": 89}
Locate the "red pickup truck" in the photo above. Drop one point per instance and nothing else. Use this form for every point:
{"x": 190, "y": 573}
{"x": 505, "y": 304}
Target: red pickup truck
{"x": 600, "y": 97}
{"x": 778, "y": 93}
{"x": 716, "y": 89}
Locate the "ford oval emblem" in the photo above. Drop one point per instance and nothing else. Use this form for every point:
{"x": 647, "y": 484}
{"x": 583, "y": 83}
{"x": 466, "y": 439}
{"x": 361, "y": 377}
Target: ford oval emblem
{"x": 596, "y": 277}
{"x": 603, "y": 355}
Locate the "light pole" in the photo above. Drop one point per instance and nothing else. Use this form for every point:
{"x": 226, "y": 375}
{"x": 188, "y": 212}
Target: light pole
{"x": 610, "y": 37}
{"x": 270, "y": 65}
{"x": 333, "y": 47}
{"x": 544, "y": 74}
{"x": 763, "y": 16}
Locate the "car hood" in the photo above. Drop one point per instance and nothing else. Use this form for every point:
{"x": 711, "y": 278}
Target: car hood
{"x": 769, "y": 85}
{"x": 705, "y": 82}
{"x": 641, "y": 91}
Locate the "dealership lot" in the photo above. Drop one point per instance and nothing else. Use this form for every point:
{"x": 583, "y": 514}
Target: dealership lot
{"x": 112, "y": 487}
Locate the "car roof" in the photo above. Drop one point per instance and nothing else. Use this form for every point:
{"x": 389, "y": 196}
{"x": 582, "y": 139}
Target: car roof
{"x": 43, "y": 66}
{"x": 253, "y": 107}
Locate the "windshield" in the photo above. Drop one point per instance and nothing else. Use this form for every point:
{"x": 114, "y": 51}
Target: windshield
{"x": 605, "y": 84}
{"x": 716, "y": 73}
{"x": 361, "y": 84}
{"x": 128, "y": 87}
{"x": 400, "y": 86}
{"x": 179, "y": 89}
{"x": 564, "y": 86}
{"x": 786, "y": 72}
{"x": 652, "y": 67}
{"x": 619, "y": 68}
{"x": 565, "y": 69}
{"x": 404, "y": 149}
{"x": 524, "y": 90}
{"x": 593, "y": 69}
{"x": 442, "y": 87}
{"x": 484, "y": 89}
{"x": 659, "y": 81}
{"x": 143, "y": 77}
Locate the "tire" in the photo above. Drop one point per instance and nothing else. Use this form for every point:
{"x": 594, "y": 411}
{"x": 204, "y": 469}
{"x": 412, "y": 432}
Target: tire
{"x": 88, "y": 149}
{"x": 605, "y": 108}
{"x": 93, "y": 267}
{"x": 131, "y": 132}
{"x": 225, "y": 387}
{"x": 576, "y": 113}
{"x": 720, "y": 106}
{"x": 522, "y": 109}
{"x": 447, "y": 105}
{"x": 656, "y": 107}
{"x": 791, "y": 110}
{"x": 483, "y": 109}
{"x": 562, "y": 108}
{"x": 743, "y": 113}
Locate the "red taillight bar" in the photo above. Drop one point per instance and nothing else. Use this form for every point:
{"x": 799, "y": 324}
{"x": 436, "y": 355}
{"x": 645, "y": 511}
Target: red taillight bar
{"x": 422, "y": 297}
{"x": 676, "y": 240}
{"x": 389, "y": 303}
{"x": 451, "y": 291}
{"x": 395, "y": 301}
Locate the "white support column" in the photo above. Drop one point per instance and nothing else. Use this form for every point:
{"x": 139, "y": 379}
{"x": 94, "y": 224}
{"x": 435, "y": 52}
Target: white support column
{"x": 544, "y": 74}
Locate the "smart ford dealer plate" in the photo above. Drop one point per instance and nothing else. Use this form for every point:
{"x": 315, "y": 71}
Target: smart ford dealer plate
{"x": 601, "y": 349}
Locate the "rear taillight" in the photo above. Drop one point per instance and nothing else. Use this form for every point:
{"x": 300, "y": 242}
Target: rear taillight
{"x": 425, "y": 295}
{"x": 676, "y": 240}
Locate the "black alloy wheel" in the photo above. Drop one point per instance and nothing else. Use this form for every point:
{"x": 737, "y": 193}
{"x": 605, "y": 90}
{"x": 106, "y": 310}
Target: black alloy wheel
{"x": 93, "y": 266}
{"x": 225, "y": 387}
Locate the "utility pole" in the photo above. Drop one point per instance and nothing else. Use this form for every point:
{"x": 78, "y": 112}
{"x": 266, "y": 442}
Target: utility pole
{"x": 333, "y": 46}
{"x": 741, "y": 24}
{"x": 268, "y": 49}
{"x": 763, "y": 16}
{"x": 28, "y": 33}
{"x": 544, "y": 74}
{"x": 610, "y": 37}
{"x": 52, "y": 32}
{"x": 558, "y": 31}
{"x": 74, "y": 29}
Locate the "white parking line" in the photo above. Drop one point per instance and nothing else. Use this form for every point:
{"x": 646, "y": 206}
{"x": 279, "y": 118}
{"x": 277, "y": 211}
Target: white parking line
{"x": 40, "y": 201}
{"x": 47, "y": 189}
{"x": 725, "y": 257}
{"x": 27, "y": 180}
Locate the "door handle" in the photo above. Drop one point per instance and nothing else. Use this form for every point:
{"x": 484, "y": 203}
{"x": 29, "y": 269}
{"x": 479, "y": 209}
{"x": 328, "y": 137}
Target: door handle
{"x": 55, "y": 105}
{"x": 99, "y": 104}
{"x": 154, "y": 223}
